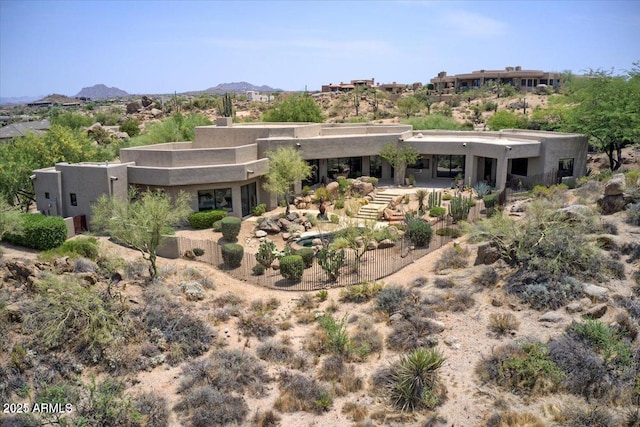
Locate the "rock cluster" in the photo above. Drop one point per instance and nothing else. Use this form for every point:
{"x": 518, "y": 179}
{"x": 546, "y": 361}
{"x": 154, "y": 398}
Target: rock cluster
{"x": 617, "y": 195}
{"x": 292, "y": 225}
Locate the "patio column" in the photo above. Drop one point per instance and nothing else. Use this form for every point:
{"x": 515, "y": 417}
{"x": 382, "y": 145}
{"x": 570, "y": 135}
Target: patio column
{"x": 501, "y": 172}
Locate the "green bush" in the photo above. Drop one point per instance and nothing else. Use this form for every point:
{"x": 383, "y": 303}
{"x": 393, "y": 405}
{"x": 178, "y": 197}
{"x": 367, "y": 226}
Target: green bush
{"x": 217, "y": 226}
{"x": 83, "y": 246}
{"x": 524, "y": 368}
{"x": 266, "y": 253}
{"x": 339, "y": 204}
{"x": 307, "y": 255}
{"x": 292, "y": 267}
{"x": 131, "y": 127}
{"x": 230, "y": 227}
{"x": 40, "y": 232}
{"x": 205, "y": 219}
{"x": 448, "y": 231}
{"x": 232, "y": 254}
{"x": 331, "y": 261}
{"x": 198, "y": 251}
{"x": 490, "y": 200}
{"x": 258, "y": 270}
{"x": 335, "y": 219}
{"x": 259, "y": 209}
{"x": 419, "y": 232}
{"x": 437, "y": 212}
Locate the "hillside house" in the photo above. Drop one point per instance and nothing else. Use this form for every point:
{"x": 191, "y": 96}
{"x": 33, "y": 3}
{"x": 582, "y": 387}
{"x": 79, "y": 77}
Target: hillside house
{"x": 224, "y": 167}
{"x": 515, "y": 76}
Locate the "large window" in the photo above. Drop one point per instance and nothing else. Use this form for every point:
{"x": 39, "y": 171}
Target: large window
{"x": 248, "y": 197}
{"x": 375, "y": 166}
{"x": 519, "y": 166}
{"x": 315, "y": 168}
{"x": 449, "y": 166}
{"x": 565, "y": 168}
{"x": 215, "y": 199}
{"x": 351, "y": 167}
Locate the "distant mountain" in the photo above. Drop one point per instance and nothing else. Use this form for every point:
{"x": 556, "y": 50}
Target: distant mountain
{"x": 18, "y": 100}
{"x": 101, "y": 91}
{"x": 240, "y": 87}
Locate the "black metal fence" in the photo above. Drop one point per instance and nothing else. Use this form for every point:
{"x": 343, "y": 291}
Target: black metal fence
{"x": 372, "y": 265}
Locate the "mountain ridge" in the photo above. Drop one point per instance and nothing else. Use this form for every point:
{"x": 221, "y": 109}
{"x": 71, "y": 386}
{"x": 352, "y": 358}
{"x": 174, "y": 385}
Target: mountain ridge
{"x": 101, "y": 91}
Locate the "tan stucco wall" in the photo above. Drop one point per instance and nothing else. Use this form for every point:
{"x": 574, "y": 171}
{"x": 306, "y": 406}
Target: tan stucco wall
{"x": 175, "y": 155}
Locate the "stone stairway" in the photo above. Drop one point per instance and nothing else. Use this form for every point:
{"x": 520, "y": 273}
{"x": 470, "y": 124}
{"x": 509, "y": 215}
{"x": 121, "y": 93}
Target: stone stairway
{"x": 373, "y": 210}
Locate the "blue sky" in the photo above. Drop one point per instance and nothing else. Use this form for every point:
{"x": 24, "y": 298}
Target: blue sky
{"x": 161, "y": 47}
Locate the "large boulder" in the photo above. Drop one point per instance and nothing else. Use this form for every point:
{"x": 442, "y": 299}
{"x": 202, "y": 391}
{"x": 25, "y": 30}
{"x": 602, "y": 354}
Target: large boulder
{"x": 611, "y": 204}
{"x": 362, "y": 188}
{"x": 285, "y": 224}
{"x": 133, "y": 107}
{"x": 487, "y": 255}
{"x": 270, "y": 225}
{"x": 615, "y": 186}
{"x": 333, "y": 188}
{"x": 146, "y": 101}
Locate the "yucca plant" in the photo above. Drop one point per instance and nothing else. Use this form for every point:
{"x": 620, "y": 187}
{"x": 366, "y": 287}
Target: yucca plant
{"x": 415, "y": 379}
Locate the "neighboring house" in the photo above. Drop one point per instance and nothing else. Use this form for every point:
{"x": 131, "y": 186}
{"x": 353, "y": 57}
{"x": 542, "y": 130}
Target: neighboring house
{"x": 255, "y": 96}
{"x": 224, "y": 167}
{"x": 348, "y": 87}
{"x": 13, "y": 130}
{"x": 514, "y": 76}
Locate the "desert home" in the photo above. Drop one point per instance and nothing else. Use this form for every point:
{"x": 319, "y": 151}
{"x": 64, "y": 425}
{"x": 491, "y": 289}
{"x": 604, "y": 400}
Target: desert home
{"x": 224, "y": 167}
{"x": 521, "y": 79}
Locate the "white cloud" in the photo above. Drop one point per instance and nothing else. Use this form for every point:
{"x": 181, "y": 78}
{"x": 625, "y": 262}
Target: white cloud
{"x": 474, "y": 25}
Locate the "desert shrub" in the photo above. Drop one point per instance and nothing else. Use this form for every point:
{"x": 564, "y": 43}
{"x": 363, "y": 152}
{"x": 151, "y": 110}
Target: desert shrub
{"x": 449, "y": 231}
{"x": 522, "y": 367}
{"x": 168, "y": 323}
{"x": 389, "y": 232}
{"x": 391, "y": 299}
{"x": 259, "y": 326}
{"x": 606, "y": 340}
{"x": 338, "y": 204}
{"x": 266, "y": 253}
{"x": 335, "y": 219}
{"x": 292, "y": 267}
{"x": 490, "y": 200}
{"x": 217, "y": 226}
{"x": 83, "y": 246}
{"x": 83, "y": 265}
{"x": 206, "y": 406}
{"x": 585, "y": 372}
{"x": 437, "y": 212}
{"x": 131, "y": 127}
{"x": 300, "y": 393}
{"x": 366, "y": 340}
{"x": 360, "y": 293}
{"x": 258, "y": 270}
{"x": 205, "y": 219}
{"x": 513, "y": 419}
{"x": 411, "y": 333}
{"x": 259, "y": 209}
{"x": 503, "y": 323}
{"x": 153, "y": 408}
{"x": 198, "y": 251}
{"x": 457, "y": 302}
{"x": 633, "y": 214}
{"x": 70, "y": 315}
{"x": 275, "y": 351}
{"x": 543, "y": 292}
{"x": 266, "y": 419}
{"x": 452, "y": 257}
{"x": 488, "y": 277}
{"x": 39, "y": 232}
{"x": 446, "y": 196}
{"x": 307, "y": 255}
{"x": 342, "y": 375}
{"x": 230, "y": 228}
{"x": 419, "y": 232}
{"x": 337, "y": 341}
{"x": 232, "y": 254}
{"x": 331, "y": 260}
{"x": 443, "y": 283}
{"x": 413, "y": 381}
{"x": 228, "y": 371}
{"x": 595, "y": 416}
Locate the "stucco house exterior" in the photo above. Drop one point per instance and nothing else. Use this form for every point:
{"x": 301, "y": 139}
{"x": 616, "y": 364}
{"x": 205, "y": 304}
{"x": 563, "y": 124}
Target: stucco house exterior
{"x": 224, "y": 167}
{"x": 515, "y": 76}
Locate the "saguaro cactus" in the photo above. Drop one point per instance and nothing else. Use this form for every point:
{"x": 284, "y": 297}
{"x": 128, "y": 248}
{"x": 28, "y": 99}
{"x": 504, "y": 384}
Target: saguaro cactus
{"x": 227, "y": 107}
